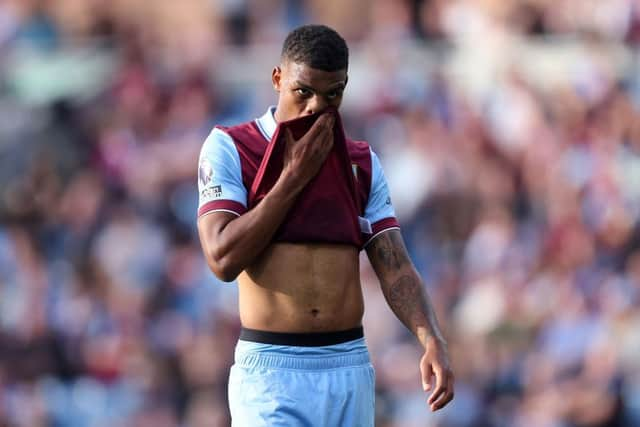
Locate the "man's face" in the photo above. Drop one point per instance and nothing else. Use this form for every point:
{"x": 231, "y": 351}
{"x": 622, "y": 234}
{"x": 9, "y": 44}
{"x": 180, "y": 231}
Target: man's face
{"x": 304, "y": 90}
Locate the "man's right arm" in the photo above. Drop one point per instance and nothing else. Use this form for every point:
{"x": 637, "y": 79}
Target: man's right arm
{"x": 230, "y": 242}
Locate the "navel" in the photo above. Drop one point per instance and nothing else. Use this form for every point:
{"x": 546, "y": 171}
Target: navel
{"x": 315, "y": 312}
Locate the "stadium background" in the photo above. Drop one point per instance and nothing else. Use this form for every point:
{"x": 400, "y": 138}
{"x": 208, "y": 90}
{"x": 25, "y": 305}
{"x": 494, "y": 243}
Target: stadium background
{"x": 509, "y": 133}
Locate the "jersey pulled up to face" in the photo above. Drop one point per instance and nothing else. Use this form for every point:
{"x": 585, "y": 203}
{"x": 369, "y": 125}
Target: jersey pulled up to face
{"x": 347, "y": 202}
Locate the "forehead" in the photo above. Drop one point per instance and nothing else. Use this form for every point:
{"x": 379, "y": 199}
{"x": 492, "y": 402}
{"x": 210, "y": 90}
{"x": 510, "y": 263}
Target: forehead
{"x": 302, "y": 73}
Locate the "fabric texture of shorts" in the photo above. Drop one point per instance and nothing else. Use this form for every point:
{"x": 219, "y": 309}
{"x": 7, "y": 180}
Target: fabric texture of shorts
{"x": 294, "y": 386}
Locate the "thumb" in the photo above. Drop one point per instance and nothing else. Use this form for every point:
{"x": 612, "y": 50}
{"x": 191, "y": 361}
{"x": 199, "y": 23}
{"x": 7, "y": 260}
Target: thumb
{"x": 427, "y": 376}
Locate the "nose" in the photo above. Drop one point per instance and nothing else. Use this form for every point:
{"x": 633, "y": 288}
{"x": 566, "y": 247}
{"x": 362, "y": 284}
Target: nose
{"x": 316, "y": 104}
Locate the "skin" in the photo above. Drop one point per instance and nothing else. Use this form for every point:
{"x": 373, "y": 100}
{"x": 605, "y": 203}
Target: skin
{"x": 312, "y": 287}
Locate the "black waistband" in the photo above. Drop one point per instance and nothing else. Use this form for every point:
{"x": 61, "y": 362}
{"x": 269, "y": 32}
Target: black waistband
{"x": 306, "y": 339}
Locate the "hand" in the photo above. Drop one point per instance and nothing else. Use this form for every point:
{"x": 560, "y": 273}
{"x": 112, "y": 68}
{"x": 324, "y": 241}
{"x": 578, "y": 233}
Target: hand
{"x": 304, "y": 158}
{"x": 435, "y": 362}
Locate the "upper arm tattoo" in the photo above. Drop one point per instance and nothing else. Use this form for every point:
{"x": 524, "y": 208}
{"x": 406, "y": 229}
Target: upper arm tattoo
{"x": 387, "y": 253}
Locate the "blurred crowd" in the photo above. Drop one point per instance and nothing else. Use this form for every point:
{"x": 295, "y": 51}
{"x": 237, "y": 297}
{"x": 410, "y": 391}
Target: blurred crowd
{"x": 510, "y": 136}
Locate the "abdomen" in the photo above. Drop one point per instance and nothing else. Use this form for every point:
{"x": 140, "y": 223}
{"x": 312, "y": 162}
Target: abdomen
{"x": 302, "y": 288}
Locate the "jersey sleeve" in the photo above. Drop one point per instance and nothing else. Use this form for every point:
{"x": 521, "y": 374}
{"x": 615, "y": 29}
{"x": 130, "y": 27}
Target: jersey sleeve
{"x": 220, "y": 186}
{"x": 379, "y": 211}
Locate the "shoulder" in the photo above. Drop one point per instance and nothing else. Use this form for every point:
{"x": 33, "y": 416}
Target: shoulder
{"x": 229, "y": 137}
{"x": 237, "y": 128}
{"x": 360, "y": 153}
{"x": 357, "y": 146}
{"x": 219, "y": 135}
{"x": 218, "y": 144}
{"x": 227, "y": 133}
{"x": 363, "y": 154}
{"x": 243, "y": 131}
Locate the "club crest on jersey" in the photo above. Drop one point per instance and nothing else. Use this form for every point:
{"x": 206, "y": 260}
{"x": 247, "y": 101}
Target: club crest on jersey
{"x": 205, "y": 172}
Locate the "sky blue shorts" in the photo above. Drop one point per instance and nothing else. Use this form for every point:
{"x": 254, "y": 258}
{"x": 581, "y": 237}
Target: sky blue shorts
{"x": 291, "y": 386}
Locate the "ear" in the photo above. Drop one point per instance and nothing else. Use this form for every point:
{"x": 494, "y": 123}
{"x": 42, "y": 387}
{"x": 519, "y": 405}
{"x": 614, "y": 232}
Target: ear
{"x": 276, "y": 78}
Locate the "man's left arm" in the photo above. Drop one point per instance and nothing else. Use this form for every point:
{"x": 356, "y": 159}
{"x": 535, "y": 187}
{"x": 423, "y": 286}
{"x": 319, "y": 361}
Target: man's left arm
{"x": 406, "y": 295}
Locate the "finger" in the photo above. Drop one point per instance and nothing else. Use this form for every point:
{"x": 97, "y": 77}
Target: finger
{"x": 326, "y": 141}
{"x": 440, "y": 385}
{"x": 319, "y": 126}
{"x": 443, "y": 401}
{"x": 329, "y": 128}
{"x": 445, "y": 397}
{"x": 328, "y": 138}
{"x": 326, "y": 133}
{"x": 330, "y": 121}
{"x": 427, "y": 377}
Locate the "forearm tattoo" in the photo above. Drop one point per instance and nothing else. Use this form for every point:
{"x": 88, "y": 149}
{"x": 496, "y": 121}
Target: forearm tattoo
{"x": 406, "y": 299}
{"x": 401, "y": 284}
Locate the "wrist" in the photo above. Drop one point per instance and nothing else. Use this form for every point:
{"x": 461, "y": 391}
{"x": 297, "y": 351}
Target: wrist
{"x": 436, "y": 340}
{"x": 290, "y": 181}
{"x": 431, "y": 339}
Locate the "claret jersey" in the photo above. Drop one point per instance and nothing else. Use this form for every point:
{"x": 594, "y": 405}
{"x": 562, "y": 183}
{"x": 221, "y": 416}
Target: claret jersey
{"x": 348, "y": 202}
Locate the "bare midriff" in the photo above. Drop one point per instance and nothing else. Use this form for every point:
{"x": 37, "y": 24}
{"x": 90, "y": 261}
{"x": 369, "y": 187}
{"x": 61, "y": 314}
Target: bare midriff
{"x": 302, "y": 288}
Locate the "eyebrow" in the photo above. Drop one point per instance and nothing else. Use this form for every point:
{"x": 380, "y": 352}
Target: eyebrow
{"x": 338, "y": 85}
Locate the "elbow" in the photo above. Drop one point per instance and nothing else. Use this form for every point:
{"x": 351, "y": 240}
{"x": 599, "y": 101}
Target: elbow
{"x": 226, "y": 274}
{"x": 223, "y": 267}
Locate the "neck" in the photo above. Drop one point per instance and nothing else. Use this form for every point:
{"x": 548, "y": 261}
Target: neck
{"x": 276, "y": 115}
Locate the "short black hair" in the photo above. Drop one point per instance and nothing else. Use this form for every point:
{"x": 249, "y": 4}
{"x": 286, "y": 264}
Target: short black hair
{"x": 317, "y": 46}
